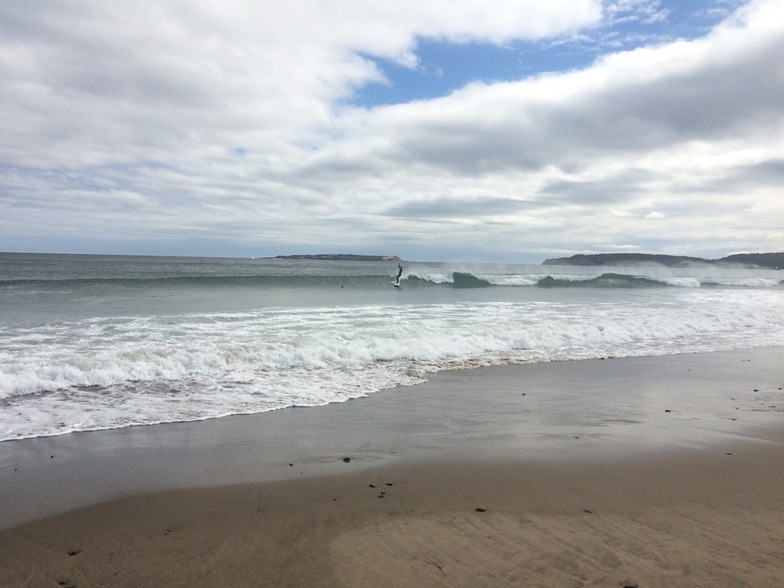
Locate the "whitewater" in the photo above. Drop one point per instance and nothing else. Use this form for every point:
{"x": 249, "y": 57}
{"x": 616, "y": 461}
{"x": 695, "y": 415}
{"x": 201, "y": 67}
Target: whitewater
{"x": 92, "y": 342}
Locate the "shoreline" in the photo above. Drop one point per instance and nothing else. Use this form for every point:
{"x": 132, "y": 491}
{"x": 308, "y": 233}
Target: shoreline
{"x": 654, "y": 470}
{"x": 556, "y": 411}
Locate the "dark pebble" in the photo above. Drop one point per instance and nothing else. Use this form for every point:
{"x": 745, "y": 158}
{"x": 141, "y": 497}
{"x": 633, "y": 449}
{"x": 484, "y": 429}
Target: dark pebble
{"x": 667, "y": 410}
{"x": 75, "y": 552}
{"x": 371, "y": 485}
{"x": 630, "y": 585}
{"x": 291, "y": 465}
{"x": 390, "y": 484}
{"x": 480, "y": 509}
{"x": 346, "y": 459}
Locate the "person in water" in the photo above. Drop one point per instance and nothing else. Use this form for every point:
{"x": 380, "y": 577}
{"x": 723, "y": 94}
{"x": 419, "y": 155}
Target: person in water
{"x": 399, "y": 273}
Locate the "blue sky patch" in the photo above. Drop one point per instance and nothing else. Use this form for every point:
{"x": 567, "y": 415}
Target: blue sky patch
{"x": 447, "y": 66}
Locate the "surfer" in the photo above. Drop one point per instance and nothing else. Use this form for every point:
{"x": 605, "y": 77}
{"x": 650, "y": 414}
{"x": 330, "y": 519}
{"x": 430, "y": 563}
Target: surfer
{"x": 399, "y": 273}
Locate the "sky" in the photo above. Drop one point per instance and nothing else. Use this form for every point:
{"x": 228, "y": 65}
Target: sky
{"x": 454, "y": 130}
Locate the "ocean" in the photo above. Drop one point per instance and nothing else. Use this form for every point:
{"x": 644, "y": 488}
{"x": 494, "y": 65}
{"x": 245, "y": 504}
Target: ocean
{"x": 91, "y": 342}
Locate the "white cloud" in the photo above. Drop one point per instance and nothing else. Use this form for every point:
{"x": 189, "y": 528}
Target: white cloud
{"x": 646, "y": 11}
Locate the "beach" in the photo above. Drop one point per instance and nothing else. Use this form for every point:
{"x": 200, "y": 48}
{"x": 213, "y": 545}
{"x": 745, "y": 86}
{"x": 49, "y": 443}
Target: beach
{"x": 645, "y": 471}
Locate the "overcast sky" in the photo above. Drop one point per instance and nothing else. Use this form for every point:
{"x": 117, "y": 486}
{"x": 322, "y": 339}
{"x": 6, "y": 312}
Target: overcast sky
{"x": 501, "y": 130}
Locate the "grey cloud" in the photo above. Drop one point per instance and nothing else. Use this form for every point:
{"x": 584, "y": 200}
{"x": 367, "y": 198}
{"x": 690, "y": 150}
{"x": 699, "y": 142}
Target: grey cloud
{"x": 771, "y": 170}
{"x": 587, "y": 193}
{"x": 745, "y": 178}
{"x": 720, "y": 99}
{"x": 614, "y": 189}
{"x": 107, "y": 54}
{"x": 471, "y": 149}
{"x": 458, "y": 207}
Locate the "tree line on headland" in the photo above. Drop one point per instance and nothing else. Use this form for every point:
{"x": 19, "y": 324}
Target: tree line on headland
{"x": 763, "y": 260}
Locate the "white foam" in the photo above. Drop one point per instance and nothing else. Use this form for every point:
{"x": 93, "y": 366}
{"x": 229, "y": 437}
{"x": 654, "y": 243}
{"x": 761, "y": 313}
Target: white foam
{"x": 510, "y": 279}
{"x": 111, "y": 372}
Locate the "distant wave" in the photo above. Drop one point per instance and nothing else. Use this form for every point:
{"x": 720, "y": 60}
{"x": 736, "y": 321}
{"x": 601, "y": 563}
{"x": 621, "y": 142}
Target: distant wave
{"x": 289, "y": 281}
{"x": 462, "y": 279}
{"x": 466, "y": 280}
{"x": 453, "y": 279}
{"x": 608, "y": 280}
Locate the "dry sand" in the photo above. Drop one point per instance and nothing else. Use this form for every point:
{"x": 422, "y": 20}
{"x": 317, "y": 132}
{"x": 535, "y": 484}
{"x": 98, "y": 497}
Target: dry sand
{"x": 685, "y": 515}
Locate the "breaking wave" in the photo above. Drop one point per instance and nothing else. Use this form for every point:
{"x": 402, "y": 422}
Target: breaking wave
{"x": 464, "y": 279}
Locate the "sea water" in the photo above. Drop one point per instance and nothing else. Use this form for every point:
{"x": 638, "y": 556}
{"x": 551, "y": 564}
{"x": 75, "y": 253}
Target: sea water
{"x": 93, "y": 342}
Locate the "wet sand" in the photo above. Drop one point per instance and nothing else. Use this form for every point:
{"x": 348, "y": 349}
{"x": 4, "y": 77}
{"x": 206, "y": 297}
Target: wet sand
{"x": 647, "y": 471}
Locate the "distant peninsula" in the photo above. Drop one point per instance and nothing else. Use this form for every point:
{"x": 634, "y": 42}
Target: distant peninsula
{"x": 340, "y": 257}
{"x": 763, "y": 260}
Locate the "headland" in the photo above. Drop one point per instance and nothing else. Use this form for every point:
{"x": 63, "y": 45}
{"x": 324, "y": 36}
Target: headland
{"x": 750, "y": 260}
